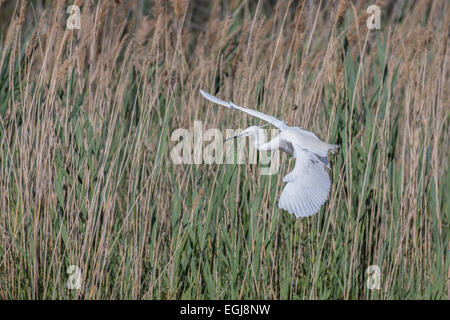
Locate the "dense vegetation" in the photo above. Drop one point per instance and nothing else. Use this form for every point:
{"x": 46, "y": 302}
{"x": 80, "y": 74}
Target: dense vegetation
{"x": 86, "y": 177}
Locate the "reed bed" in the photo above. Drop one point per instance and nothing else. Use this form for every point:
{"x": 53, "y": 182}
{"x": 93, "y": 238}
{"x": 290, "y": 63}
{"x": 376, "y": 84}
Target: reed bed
{"x": 87, "y": 179}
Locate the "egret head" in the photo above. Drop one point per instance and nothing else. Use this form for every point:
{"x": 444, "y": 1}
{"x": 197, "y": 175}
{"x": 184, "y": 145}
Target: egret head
{"x": 250, "y": 131}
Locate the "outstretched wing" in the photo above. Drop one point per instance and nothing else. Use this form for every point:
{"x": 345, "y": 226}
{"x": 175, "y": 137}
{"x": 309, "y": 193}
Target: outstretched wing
{"x": 280, "y": 124}
{"x": 308, "y": 185}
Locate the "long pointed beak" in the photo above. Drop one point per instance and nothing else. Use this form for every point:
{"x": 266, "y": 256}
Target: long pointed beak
{"x": 230, "y": 138}
{"x": 234, "y": 137}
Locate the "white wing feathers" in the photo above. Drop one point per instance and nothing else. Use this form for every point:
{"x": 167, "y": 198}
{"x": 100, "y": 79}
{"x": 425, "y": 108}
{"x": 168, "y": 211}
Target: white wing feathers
{"x": 308, "y": 185}
{"x": 280, "y": 124}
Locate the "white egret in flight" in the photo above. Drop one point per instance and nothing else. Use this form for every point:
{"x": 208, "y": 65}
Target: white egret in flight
{"x": 308, "y": 185}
